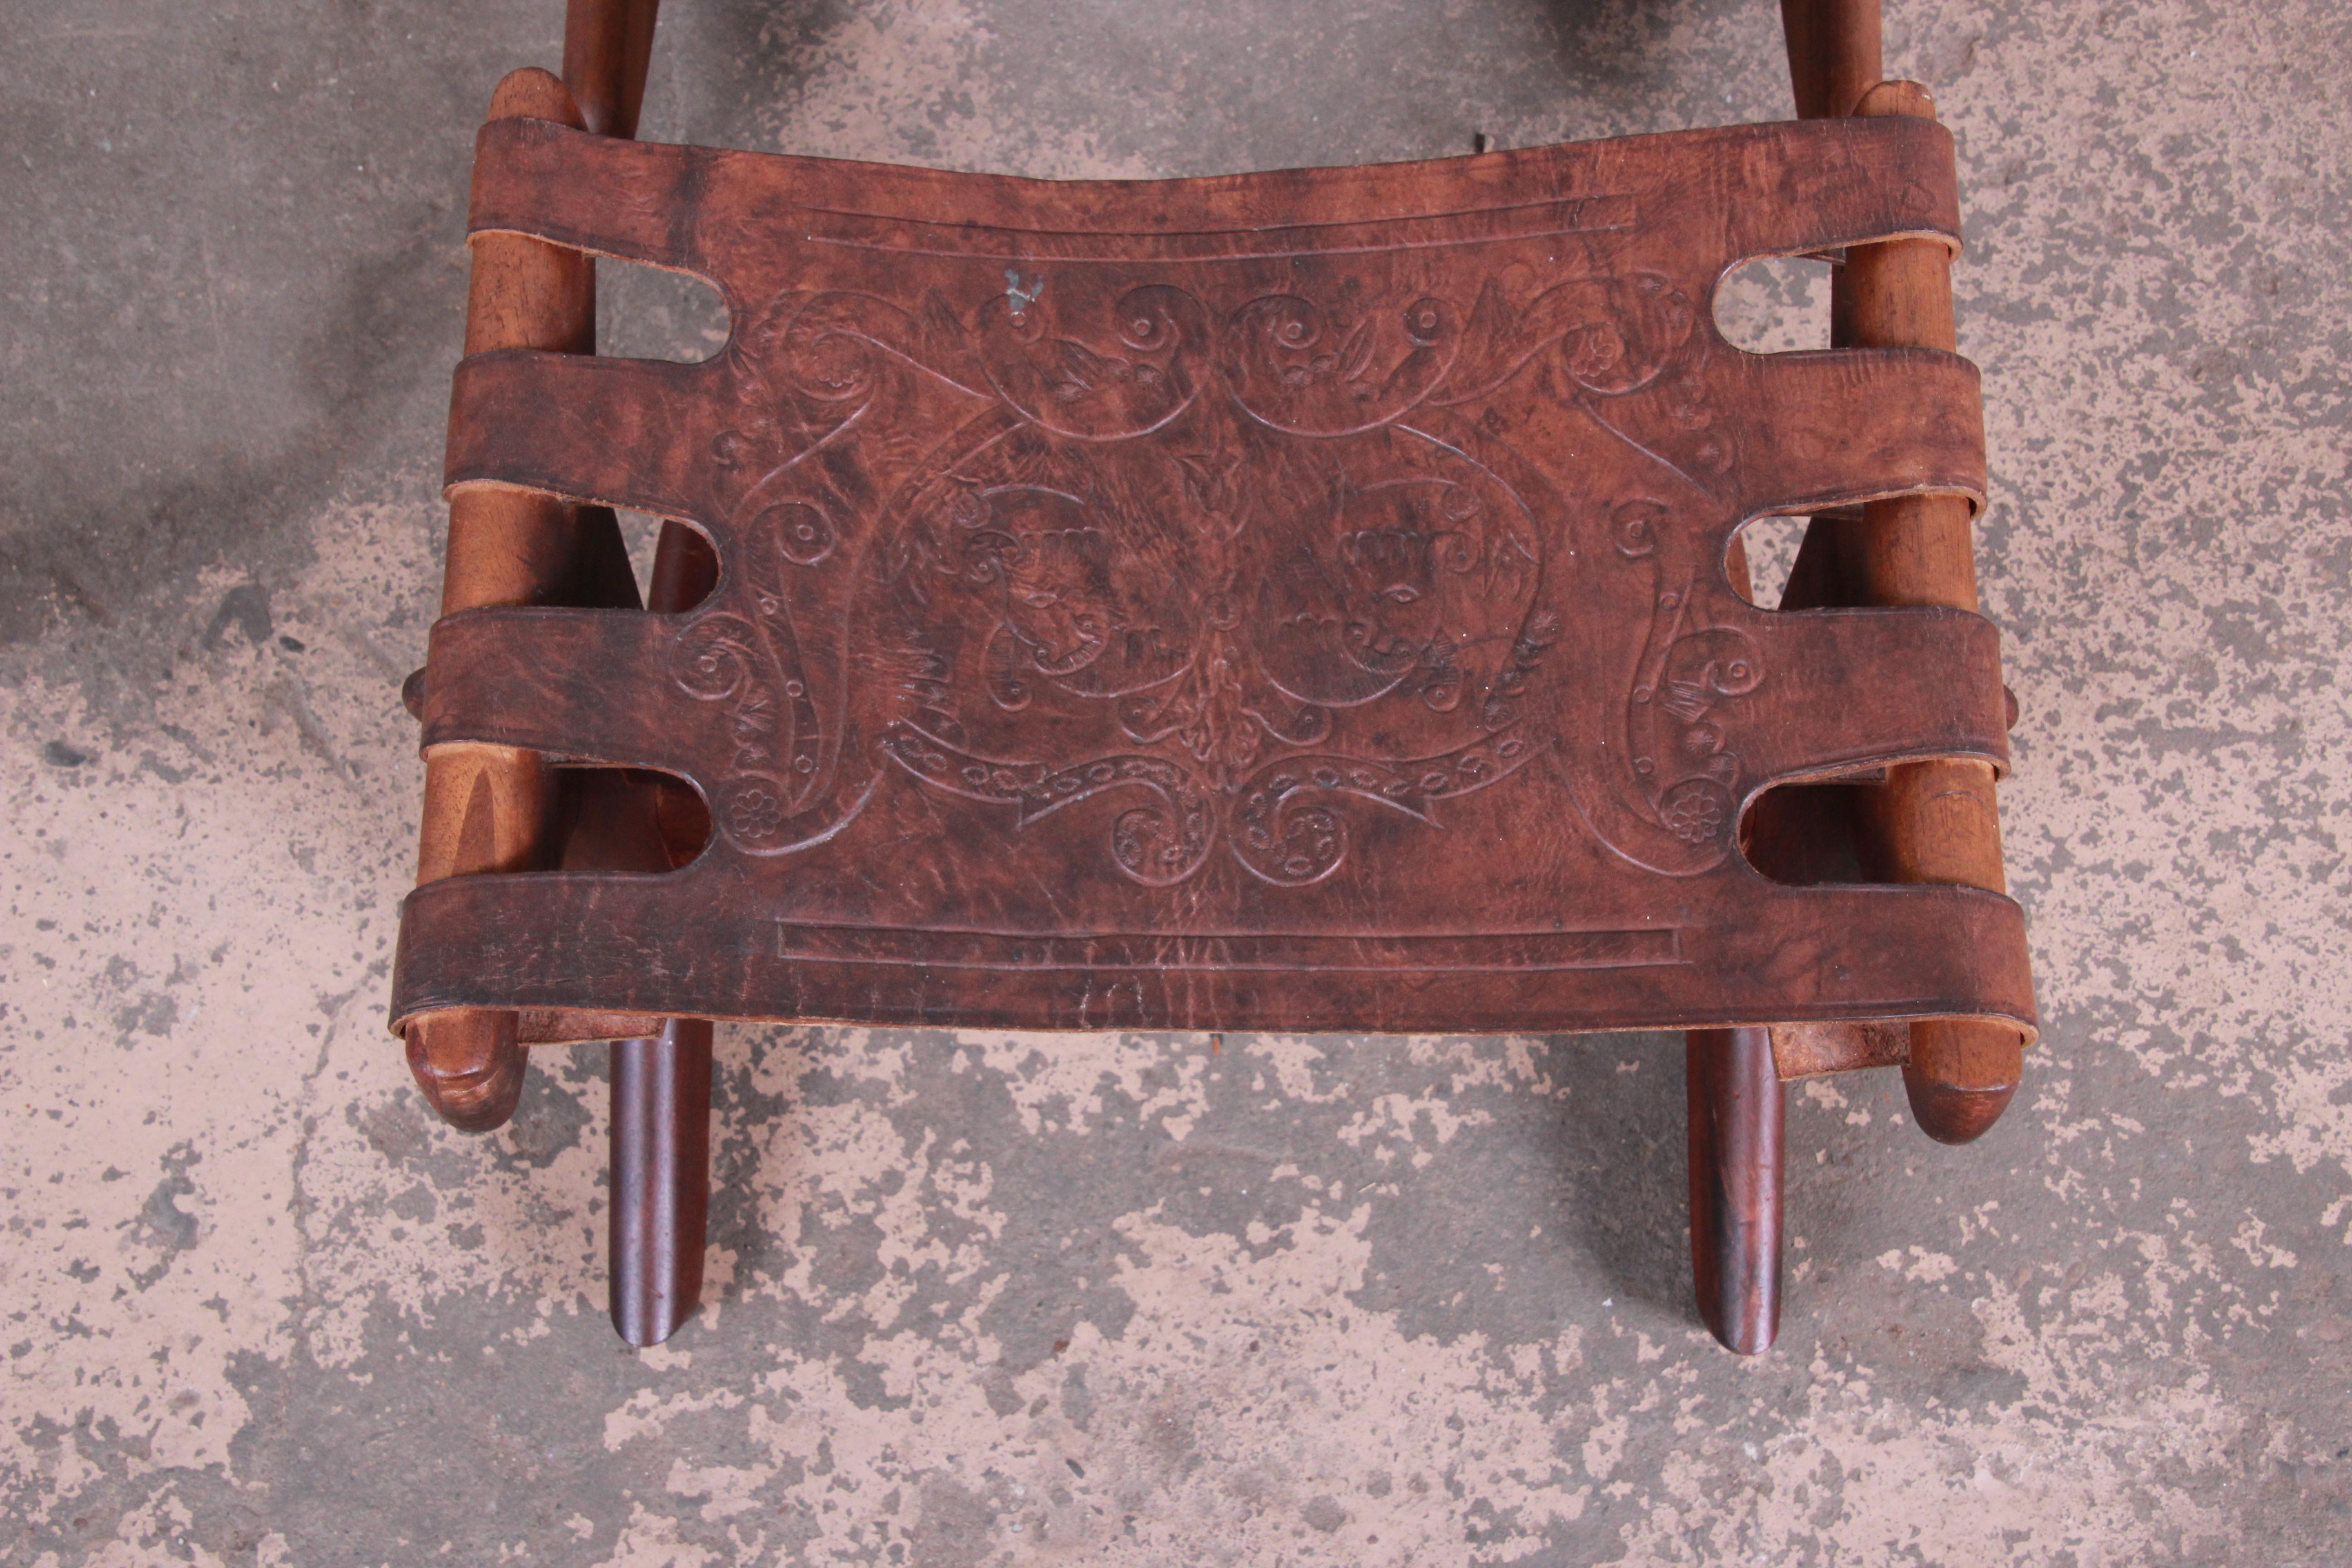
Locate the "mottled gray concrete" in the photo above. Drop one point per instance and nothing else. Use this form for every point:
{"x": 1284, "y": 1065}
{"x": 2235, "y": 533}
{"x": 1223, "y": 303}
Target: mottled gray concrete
{"x": 980, "y": 1299}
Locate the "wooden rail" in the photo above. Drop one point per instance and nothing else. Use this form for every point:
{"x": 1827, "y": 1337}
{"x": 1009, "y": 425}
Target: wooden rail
{"x": 492, "y": 809}
{"x": 1932, "y": 822}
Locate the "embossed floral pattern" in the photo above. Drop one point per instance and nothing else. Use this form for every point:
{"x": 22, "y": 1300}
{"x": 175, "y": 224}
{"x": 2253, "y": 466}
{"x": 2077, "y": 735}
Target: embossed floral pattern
{"x": 1224, "y": 527}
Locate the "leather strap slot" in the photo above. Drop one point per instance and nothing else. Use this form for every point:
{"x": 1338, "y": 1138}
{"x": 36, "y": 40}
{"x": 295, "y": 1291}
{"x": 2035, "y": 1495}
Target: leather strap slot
{"x": 1875, "y": 686}
{"x": 627, "y": 433}
{"x": 581, "y": 685}
{"x": 1843, "y": 426}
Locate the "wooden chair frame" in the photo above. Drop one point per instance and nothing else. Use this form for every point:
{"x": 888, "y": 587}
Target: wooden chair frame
{"x": 499, "y": 805}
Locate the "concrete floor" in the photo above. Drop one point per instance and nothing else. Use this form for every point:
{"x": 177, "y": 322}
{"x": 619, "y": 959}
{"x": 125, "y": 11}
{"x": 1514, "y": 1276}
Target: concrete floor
{"x": 980, "y": 1299}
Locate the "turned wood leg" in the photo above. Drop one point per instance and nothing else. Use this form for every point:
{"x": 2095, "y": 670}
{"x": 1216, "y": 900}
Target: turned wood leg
{"x": 661, "y": 1087}
{"x": 661, "y": 1178}
{"x": 1737, "y": 1116}
{"x": 1835, "y": 50}
{"x": 1736, "y": 1121}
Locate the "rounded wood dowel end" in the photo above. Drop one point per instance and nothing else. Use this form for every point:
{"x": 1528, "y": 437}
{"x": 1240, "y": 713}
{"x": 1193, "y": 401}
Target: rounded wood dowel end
{"x": 1932, "y": 822}
{"x": 1962, "y": 1075}
{"x": 1898, "y": 97}
{"x": 470, "y": 1065}
{"x": 1951, "y": 1114}
{"x": 1738, "y": 1117}
{"x": 532, "y": 93}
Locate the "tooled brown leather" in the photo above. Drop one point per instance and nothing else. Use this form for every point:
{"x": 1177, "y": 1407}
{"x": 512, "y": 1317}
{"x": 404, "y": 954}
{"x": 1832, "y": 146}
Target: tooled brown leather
{"x": 1282, "y": 601}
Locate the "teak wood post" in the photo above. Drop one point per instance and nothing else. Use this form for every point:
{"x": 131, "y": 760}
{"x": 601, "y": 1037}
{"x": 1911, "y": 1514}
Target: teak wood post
{"x": 1834, "y": 53}
{"x": 607, "y": 45}
{"x": 1738, "y": 1109}
{"x": 1932, "y": 822}
{"x": 491, "y": 808}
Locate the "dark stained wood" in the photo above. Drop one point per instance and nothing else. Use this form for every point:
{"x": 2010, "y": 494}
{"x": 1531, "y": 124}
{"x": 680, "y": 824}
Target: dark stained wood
{"x": 661, "y": 1086}
{"x": 607, "y": 45}
{"x": 661, "y": 1178}
{"x": 1737, "y": 1117}
{"x": 1735, "y": 1207}
{"x": 1798, "y": 833}
{"x": 685, "y": 570}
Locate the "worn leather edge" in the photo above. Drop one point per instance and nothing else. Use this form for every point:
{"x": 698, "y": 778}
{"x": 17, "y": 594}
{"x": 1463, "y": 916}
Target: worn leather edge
{"x": 668, "y": 945}
{"x": 510, "y": 408}
{"x": 1840, "y": 426}
{"x": 1778, "y": 188}
{"x": 1883, "y": 685}
{"x": 505, "y": 677}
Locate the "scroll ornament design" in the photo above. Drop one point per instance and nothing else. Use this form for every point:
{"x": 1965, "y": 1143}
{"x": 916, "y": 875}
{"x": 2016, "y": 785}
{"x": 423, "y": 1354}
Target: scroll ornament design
{"x": 1321, "y": 556}
{"x": 806, "y": 372}
{"x": 721, "y": 657}
{"x": 1684, "y": 700}
{"x": 1227, "y": 651}
{"x": 1285, "y": 829}
{"x": 776, "y": 795}
{"x": 1610, "y": 336}
{"x": 1159, "y": 844}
